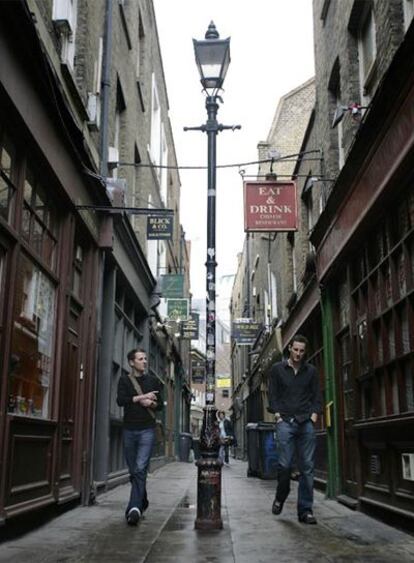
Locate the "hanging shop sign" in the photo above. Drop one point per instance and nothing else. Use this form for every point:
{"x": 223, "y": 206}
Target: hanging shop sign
{"x": 198, "y": 371}
{"x": 270, "y": 206}
{"x": 189, "y": 328}
{"x": 177, "y": 309}
{"x": 172, "y": 286}
{"x": 244, "y": 331}
{"x": 160, "y": 227}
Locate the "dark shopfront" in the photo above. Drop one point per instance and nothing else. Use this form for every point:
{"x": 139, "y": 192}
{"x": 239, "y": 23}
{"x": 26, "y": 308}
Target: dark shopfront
{"x": 365, "y": 254}
{"x": 48, "y": 280}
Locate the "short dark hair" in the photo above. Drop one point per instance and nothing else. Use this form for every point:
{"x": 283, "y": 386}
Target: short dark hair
{"x": 131, "y": 353}
{"x": 299, "y": 338}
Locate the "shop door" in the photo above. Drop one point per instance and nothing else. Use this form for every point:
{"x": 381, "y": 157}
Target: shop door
{"x": 70, "y": 462}
{"x": 348, "y": 436}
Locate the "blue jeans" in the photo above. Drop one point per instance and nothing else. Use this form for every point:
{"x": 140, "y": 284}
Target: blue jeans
{"x": 291, "y": 437}
{"x": 138, "y": 447}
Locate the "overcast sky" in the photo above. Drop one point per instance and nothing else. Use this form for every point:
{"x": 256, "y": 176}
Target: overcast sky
{"x": 271, "y": 53}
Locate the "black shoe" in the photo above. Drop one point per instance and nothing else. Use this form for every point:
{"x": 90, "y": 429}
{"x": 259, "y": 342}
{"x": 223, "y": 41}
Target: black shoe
{"x": 307, "y": 518}
{"x": 277, "y": 507}
{"x": 133, "y": 517}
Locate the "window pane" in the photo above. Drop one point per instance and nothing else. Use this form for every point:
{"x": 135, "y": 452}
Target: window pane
{"x": 368, "y": 43}
{"x": 394, "y": 390}
{"x": 6, "y": 193}
{"x": 409, "y": 386}
{"x": 39, "y": 221}
{"x": 32, "y": 342}
{"x": 7, "y": 156}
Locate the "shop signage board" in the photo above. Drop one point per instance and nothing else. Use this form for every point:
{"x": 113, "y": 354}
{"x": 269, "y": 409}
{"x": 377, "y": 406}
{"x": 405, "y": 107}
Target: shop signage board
{"x": 244, "y": 331}
{"x": 223, "y": 382}
{"x": 177, "y": 309}
{"x": 270, "y": 206}
{"x": 160, "y": 227}
{"x": 190, "y": 327}
{"x": 172, "y": 286}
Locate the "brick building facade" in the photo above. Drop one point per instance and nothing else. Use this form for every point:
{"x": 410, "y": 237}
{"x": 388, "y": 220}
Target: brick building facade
{"x": 353, "y": 296}
{"x": 83, "y": 124}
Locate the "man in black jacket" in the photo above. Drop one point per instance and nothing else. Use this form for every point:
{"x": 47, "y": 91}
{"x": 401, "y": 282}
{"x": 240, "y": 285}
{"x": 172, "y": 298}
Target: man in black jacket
{"x": 294, "y": 397}
{"x": 139, "y": 393}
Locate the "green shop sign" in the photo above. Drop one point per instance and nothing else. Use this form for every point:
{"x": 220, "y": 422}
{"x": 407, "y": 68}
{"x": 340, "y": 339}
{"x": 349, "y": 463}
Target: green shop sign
{"x": 177, "y": 309}
{"x": 172, "y": 286}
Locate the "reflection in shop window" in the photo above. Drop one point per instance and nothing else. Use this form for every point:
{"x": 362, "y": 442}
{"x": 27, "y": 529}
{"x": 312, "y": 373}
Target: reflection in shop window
{"x": 394, "y": 391}
{"x": 409, "y": 386}
{"x": 367, "y": 403}
{"x": 39, "y": 220}
{"x": 30, "y": 367}
{"x": 7, "y": 158}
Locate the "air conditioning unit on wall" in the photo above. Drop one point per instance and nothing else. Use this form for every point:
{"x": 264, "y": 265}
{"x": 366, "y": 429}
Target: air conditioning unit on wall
{"x": 63, "y": 15}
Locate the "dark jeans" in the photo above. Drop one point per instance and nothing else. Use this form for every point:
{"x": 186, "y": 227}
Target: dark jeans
{"x": 291, "y": 437}
{"x": 224, "y": 453}
{"x": 138, "y": 447}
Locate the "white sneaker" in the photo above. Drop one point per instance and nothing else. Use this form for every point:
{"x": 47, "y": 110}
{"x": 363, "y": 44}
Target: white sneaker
{"x": 134, "y": 514}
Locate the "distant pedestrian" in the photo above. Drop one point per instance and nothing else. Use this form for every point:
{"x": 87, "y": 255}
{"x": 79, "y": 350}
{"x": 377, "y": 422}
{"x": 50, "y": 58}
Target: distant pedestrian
{"x": 227, "y": 438}
{"x": 294, "y": 398}
{"x": 139, "y": 393}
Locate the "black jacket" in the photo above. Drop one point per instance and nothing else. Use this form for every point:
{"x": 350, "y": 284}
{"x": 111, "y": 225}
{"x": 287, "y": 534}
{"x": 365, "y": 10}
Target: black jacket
{"x": 293, "y": 395}
{"x": 136, "y": 416}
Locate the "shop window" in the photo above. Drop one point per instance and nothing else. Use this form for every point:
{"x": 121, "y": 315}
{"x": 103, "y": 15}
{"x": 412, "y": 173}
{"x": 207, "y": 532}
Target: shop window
{"x": 343, "y": 304}
{"x": 411, "y": 258}
{"x": 2, "y": 277}
{"x": 376, "y": 299}
{"x": 77, "y": 271}
{"x": 39, "y": 223}
{"x": 30, "y": 368}
{"x": 390, "y": 331}
{"x": 367, "y": 406}
{"x": 382, "y": 403}
{"x": 405, "y": 329}
{"x": 347, "y": 383}
{"x": 379, "y": 349}
{"x": 362, "y": 342}
{"x": 409, "y": 385}
{"x": 395, "y": 399}
{"x": 7, "y": 190}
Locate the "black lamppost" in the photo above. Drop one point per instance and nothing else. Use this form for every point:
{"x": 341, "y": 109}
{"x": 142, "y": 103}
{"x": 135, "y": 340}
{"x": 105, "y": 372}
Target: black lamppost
{"x": 213, "y": 59}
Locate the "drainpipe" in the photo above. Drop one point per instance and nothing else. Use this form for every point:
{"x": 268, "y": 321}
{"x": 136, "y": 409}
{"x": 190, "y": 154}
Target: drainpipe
{"x": 105, "y": 317}
{"x": 105, "y": 89}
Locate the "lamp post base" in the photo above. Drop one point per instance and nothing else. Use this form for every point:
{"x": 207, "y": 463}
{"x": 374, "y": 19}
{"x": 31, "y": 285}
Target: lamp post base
{"x": 209, "y": 474}
{"x": 209, "y": 495}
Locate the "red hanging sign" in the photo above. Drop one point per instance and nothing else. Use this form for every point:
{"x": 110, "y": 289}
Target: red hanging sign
{"x": 270, "y": 206}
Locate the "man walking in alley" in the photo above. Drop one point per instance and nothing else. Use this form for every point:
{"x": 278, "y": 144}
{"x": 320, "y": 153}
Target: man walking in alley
{"x": 294, "y": 398}
{"x": 139, "y": 395}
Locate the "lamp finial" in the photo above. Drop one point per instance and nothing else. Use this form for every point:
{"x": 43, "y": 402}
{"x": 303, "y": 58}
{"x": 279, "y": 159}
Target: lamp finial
{"x": 212, "y": 32}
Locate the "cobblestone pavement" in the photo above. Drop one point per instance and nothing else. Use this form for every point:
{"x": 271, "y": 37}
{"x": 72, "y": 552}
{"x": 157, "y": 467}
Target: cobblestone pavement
{"x": 251, "y": 534}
